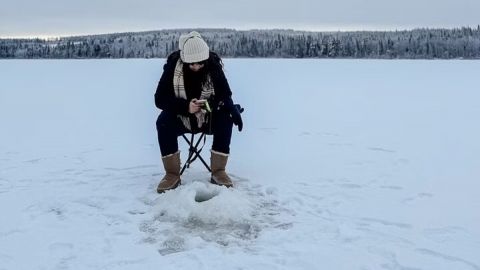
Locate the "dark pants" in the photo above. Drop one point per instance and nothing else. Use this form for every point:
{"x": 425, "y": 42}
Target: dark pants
{"x": 169, "y": 127}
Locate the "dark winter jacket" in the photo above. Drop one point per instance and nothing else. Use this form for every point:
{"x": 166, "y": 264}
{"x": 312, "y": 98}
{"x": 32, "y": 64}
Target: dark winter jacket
{"x": 166, "y": 100}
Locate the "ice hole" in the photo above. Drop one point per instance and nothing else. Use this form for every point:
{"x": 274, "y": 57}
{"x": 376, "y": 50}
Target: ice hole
{"x": 205, "y": 195}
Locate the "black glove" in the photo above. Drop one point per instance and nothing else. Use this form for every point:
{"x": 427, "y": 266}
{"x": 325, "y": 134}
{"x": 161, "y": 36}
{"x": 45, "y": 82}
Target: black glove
{"x": 235, "y": 113}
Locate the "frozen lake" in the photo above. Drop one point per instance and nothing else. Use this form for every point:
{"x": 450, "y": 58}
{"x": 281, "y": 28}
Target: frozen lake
{"x": 342, "y": 164}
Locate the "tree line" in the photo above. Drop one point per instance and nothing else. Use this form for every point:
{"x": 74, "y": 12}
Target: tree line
{"x": 424, "y": 43}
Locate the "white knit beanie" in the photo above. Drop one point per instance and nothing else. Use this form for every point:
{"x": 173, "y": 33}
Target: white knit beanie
{"x": 193, "y": 48}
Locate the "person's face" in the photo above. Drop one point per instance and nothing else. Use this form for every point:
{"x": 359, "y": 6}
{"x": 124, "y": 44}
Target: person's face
{"x": 196, "y": 66}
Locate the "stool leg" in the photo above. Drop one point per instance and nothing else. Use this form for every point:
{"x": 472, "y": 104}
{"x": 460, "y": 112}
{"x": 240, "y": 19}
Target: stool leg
{"x": 197, "y": 152}
{"x": 194, "y": 153}
{"x": 190, "y": 153}
{"x": 204, "y": 163}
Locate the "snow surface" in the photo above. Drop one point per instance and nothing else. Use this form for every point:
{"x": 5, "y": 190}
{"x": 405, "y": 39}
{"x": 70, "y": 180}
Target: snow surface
{"x": 342, "y": 164}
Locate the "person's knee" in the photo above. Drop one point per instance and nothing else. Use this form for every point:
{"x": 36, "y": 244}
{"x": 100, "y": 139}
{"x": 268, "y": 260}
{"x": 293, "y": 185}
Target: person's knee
{"x": 223, "y": 119}
{"x": 165, "y": 120}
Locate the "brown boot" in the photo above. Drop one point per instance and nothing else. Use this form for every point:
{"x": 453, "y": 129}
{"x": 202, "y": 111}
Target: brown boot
{"x": 171, "y": 180}
{"x": 218, "y": 163}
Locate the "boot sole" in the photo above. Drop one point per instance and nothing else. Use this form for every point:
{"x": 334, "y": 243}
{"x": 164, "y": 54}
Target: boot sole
{"x": 215, "y": 183}
{"x": 174, "y": 187}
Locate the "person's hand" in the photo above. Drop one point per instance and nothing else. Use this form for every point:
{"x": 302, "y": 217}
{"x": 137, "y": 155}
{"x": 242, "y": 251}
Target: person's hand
{"x": 194, "y": 107}
{"x": 235, "y": 112}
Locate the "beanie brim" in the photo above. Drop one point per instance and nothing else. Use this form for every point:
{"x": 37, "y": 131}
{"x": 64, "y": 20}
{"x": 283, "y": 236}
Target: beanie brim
{"x": 193, "y": 58}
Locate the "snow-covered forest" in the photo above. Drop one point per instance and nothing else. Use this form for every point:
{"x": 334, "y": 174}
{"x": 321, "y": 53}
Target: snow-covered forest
{"x": 412, "y": 44}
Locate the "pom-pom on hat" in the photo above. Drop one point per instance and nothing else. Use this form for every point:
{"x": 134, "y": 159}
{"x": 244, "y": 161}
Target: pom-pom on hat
{"x": 193, "y": 48}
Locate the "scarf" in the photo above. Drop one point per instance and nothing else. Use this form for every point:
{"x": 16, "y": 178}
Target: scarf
{"x": 179, "y": 88}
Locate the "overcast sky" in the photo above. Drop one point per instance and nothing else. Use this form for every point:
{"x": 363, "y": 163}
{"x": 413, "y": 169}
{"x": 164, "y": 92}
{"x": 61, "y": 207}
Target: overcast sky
{"x": 21, "y": 18}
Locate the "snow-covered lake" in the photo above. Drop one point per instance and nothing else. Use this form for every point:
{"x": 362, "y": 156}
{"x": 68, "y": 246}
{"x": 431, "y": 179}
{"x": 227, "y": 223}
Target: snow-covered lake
{"x": 342, "y": 164}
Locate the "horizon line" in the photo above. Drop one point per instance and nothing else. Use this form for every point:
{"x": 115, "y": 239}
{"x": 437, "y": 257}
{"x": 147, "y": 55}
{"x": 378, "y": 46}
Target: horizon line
{"x": 46, "y": 37}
